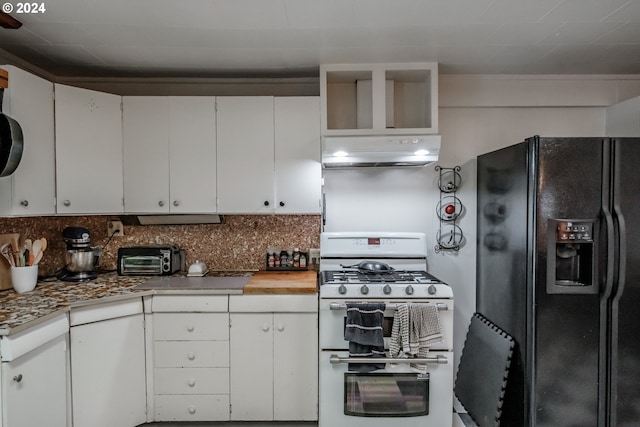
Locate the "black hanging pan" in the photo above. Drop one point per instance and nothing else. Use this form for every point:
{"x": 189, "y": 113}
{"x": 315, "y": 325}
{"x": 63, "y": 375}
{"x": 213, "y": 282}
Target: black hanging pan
{"x": 370, "y": 267}
{"x": 10, "y": 142}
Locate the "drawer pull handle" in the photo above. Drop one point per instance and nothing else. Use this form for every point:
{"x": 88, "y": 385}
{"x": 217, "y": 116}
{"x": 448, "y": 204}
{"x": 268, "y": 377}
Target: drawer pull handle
{"x": 192, "y": 382}
{"x": 191, "y": 328}
{"x": 18, "y": 378}
{"x": 280, "y": 327}
{"x": 191, "y": 356}
{"x": 192, "y": 410}
{"x": 265, "y": 327}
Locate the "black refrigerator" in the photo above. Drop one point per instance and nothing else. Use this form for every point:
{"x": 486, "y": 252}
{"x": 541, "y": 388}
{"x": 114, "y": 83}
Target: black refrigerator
{"x": 558, "y": 268}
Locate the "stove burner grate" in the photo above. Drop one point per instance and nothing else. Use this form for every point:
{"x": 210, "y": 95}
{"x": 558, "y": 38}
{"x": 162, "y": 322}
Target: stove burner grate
{"x": 358, "y": 277}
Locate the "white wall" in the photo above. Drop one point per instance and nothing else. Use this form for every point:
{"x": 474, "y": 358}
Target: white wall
{"x": 488, "y": 114}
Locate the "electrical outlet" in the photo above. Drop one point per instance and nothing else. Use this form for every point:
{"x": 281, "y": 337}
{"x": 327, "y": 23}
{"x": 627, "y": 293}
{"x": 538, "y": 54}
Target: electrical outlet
{"x": 115, "y": 228}
{"x": 314, "y": 256}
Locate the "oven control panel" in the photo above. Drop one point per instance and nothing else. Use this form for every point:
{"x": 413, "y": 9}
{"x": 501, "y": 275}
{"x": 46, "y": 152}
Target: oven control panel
{"x": 364, "y": 244}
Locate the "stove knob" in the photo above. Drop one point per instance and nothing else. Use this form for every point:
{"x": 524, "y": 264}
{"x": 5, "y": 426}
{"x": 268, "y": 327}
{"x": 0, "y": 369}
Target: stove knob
{"x": 409, "y": 290}
{"x": 364, "y": 289}
{"x": 432, "y": 290}
{"x": 342, "y": 290}
{"x": 386, "y": 289}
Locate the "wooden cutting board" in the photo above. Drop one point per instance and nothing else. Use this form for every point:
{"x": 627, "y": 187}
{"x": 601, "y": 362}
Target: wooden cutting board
{"x": 5, "y": 268}
{"x": 282, "y": 282}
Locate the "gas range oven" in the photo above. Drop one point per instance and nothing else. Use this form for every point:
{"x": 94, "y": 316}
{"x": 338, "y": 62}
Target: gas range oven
{"x": 363, "y": 267}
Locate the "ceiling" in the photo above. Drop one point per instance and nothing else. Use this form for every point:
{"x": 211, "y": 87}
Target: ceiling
{"x": 212, "y": 38}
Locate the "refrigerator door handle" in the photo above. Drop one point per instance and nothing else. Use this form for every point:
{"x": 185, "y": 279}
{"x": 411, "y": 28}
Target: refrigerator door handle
{"x": 610, "y": 230}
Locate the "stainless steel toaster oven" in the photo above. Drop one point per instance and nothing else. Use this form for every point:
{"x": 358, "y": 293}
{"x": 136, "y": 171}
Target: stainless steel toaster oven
{"x": 150, "y": 260}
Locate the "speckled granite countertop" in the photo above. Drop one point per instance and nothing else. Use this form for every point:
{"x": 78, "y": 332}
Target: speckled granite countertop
{"x": 20, "y": 311}
{"x": 50, "y": 298}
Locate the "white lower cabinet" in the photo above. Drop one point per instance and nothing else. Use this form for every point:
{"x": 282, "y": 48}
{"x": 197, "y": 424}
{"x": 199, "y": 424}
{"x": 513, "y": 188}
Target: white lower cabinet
{"x": 190, "y": 358}
{"x": 274, "y": 357}
{"x": 35, "y": 372}
{"x": 108, "y": 365}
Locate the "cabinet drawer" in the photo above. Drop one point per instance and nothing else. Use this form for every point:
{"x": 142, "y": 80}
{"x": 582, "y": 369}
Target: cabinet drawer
{"x": 192, "y": 303}
{"x": 192, "y": 407}
{"x": 191, "y": 380}
{"x": 191, "y": 354}
{"x": 191, "y": 327}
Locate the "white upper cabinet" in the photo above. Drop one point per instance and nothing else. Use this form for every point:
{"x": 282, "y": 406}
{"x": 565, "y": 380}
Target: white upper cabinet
{"x": 169, "y": 154}
{"x": 379, "y": 99}
{"x": 30, "y": 190}
{"x": 298, "y": 172}
{"x": 269, "y": 155}
{"x": 145, "y": 130}
{"x": 245, "y": 154}
{"x": 192, "y": 154}
{"x": 88, "y": 151}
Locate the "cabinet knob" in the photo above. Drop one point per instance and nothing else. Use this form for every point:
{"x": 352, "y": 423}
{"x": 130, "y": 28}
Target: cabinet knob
{"x": 24, "y": 203}
{"x": 67, "y": 203}
{"x": 191, "y": 356}
{"x": 281, "y": 204}
{"x": 191, "y": 328}
{"x": 192, "y": 410}
{"x": 266, "y": 203}
{"x": 280, "y": 327}
{"x": 265, "y": 327}
{"x": 161, "y": 203}
{"x": 176, "y": 203}
{"x": 192, "y": 382}
{"x": 18, "y": 378}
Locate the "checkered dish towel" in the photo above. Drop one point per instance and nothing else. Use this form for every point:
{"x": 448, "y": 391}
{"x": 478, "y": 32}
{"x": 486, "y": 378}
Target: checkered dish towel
{"x": 416, "y": 326}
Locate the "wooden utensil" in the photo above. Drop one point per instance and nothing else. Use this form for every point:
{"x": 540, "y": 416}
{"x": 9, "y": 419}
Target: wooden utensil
{"x": 37, "y": 258}
{"x": 28, "y": 252}
{"x": 15, "y": 247}
{"x": 36, "y": 250}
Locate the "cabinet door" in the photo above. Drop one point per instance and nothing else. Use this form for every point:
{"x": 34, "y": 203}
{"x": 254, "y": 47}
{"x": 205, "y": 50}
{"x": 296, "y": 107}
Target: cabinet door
{"x": 251, "y": 351}
{"x": 145, "y": 130}
{"x": 35, "y": 387}
{"x": 245, "y": 154}
{"x": 108, "y": 373}
{"x": 31, "y": 188}
{"x": 192, "y": 154}
{"x": 88, "y": 151}
{"x": 295, "y": 366}
{"x": 298, "y": 171}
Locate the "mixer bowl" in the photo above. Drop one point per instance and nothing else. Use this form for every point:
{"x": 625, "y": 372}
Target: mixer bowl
{"x": 79, "y": 260}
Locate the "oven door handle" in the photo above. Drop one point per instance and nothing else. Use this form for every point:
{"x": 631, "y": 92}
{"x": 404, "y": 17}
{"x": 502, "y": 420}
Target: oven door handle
{"x": 439, "y": 359}
{"x": 337, "y": 306}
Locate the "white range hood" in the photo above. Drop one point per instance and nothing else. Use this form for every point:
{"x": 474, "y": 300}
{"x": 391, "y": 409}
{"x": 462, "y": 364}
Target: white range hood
{"x": 379, "y": 151}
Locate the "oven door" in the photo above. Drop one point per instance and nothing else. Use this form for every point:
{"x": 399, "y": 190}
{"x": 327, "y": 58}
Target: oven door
{"x": 392, "y": 396}
{"x": 333, "y": 318}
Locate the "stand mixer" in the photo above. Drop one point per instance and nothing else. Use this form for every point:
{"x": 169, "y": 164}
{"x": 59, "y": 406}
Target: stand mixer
{"x": 79, "y": 257}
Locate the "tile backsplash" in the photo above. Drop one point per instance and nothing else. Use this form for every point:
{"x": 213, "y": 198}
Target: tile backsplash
{"x": 239, "y": 243}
